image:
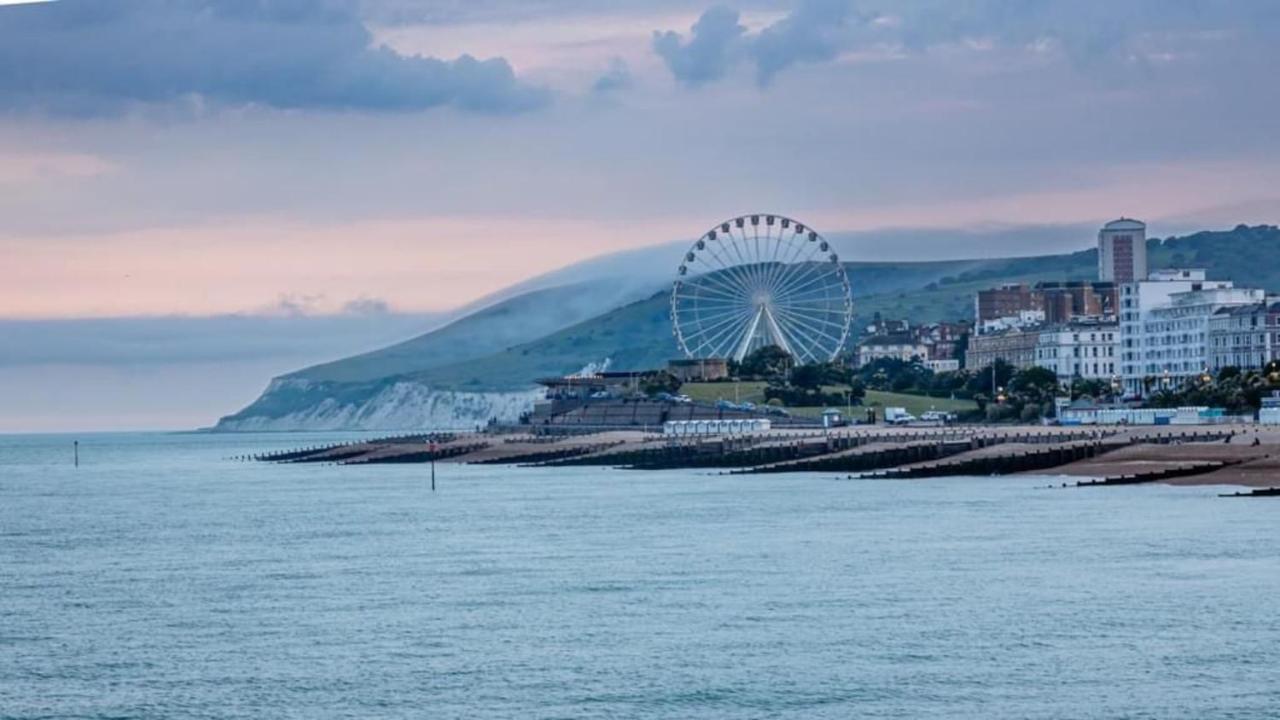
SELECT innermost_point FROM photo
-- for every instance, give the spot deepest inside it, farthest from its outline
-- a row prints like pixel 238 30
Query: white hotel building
pixel 1164 324
pixel 1085 349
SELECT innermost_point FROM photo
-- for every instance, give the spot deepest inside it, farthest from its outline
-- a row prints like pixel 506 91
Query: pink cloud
pixel 418 264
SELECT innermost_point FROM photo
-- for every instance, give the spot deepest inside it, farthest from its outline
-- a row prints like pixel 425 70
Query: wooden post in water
pixel 75 445
pixel 433 467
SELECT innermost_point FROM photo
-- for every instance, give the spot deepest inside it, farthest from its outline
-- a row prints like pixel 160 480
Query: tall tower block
pixel 1122 251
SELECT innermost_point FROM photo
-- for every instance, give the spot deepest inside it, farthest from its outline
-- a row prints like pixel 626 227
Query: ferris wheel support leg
pixel 745 345
pixel 778 338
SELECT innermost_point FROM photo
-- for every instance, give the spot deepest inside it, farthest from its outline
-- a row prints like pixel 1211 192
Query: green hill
pixel 639 335
pixel 1248 255
pixel 557 331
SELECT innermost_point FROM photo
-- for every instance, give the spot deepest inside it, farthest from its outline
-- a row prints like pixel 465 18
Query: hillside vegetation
pixel 753 391
pixel 639 335
pixel 560 330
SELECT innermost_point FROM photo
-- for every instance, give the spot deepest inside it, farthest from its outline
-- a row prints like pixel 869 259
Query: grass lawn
pixel 754 392
pixel 917 404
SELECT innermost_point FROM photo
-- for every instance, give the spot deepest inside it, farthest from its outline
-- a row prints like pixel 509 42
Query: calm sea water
pixel 161 580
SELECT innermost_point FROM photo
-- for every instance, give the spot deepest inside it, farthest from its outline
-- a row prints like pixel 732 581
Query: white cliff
pixel 402 405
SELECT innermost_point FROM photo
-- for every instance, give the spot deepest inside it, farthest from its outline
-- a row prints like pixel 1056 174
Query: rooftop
pixel 1268 307
pixel 889 340
pixel 1125 223
pixel 1085 323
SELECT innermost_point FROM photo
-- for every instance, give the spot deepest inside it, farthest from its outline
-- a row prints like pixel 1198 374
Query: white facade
pixel 688 428
pixel 1147 416
pixel 1245 337
pixel 1023 320
pixel 1168 342
pixel 878 348
pixel 1084 350
pixel 1122 251
pixel 1137 301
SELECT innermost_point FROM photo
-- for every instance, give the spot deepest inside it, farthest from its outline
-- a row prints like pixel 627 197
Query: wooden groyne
pixel 1161 475
pixel 539 457
pixel 364 450
pixel 1261 492
pixel 871 457
pixel 1103 456
pixel 419 455
pixel 1016 458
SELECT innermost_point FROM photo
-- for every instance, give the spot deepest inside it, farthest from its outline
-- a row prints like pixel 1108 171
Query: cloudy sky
pixel 379 162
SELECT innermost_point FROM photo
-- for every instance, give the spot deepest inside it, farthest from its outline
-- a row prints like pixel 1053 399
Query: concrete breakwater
pixel 1243 455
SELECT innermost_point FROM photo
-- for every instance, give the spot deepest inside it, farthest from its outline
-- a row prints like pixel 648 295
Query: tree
pixel 767 363
pixel 1237 391
pixel 1034 385
pixel 857 391
pixel 659 381
pixel 980 380
pixel 809 378
pixel 895 375
pixel 1091 388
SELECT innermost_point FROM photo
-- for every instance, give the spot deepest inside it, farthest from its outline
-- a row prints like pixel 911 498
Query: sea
pixel 166 578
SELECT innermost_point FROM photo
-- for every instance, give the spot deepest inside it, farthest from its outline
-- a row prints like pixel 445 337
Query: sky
pixel 238 167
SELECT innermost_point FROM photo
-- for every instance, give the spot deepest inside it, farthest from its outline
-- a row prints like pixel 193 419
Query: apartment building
pixel 1082 349
pixel 1246 336
pixel 1164 326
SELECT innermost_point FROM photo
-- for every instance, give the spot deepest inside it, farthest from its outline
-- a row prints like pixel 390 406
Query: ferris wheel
pixel 761 280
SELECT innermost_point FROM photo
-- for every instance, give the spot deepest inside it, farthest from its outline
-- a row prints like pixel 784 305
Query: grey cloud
pixel 145 341
pixel 366 306
pixel 712 47
pixel 86 57
pixel 616 77
pixel 167 372
pixel 813 32
pixel 295 305
pixel 1091 33
pixel 449 12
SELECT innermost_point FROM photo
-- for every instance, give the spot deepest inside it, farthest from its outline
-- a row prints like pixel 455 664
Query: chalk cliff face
pixel 446 378
pixel 298 404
